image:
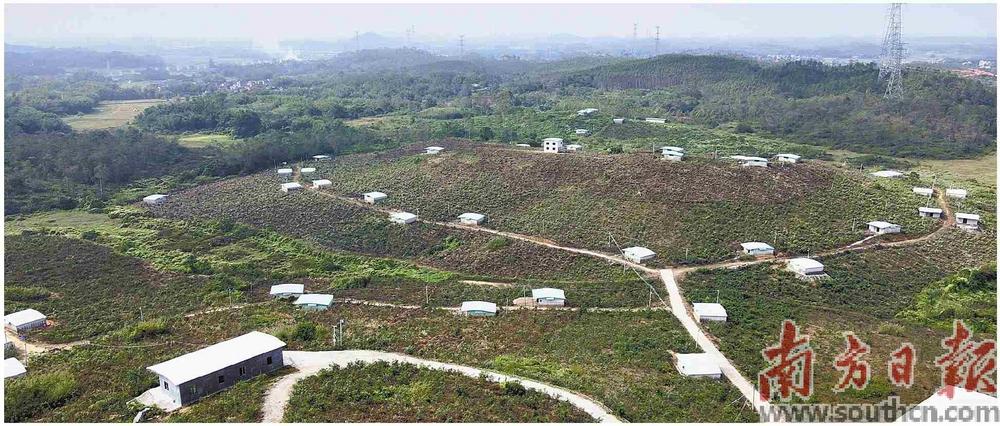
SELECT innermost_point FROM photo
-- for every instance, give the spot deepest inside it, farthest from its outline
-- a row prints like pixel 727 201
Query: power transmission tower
pixel 461 45
pixel 635 39
pixel 657 39
pixel 891 60
pixel 357 41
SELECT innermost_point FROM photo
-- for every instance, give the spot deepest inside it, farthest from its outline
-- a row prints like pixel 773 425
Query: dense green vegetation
pixel 28 395
pixel 970 294
pixel 384 392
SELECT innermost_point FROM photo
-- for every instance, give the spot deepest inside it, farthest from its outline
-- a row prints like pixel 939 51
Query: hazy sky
pixel 268 23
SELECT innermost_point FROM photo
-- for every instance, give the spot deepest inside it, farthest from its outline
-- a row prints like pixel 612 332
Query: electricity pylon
pixel 891 60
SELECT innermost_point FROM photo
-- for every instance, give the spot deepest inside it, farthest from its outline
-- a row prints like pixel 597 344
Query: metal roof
pixel 288 288
pixel 477 305
pixel 755 245
pixel 13 368
pixel 802 263
pixel 291 185
pixel 154 197
pixel 308 169
pixel 929 210
pixel 375 194
pixel 709 310
pixel 314 299
pixel 322 182
pixel 472 216
pixel 557 140
pixel 284 171
pixel 698 364
pixel 792 156
pixel 672 148
pixel 435 148
pixel 956 191
pixel 548 293
pixel 882 224
pixel 640 252
pixel 404 216
pixel 967 216
pixel 887 173
pixel 20 318
pixel 320 157
pixel 208 360
pixel 922 190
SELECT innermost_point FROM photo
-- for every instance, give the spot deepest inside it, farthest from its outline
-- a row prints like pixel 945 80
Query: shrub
pixel 497 243
pixel 32 394
pixel 513 388
pixel 89 235
pixel 149 328
pixel 25 294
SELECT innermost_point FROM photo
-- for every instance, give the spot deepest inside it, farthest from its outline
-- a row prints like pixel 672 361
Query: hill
pixel 939 115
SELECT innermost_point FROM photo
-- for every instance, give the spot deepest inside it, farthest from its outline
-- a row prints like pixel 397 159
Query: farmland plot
pixel 256 201
pixel 694 211
pixel 865 293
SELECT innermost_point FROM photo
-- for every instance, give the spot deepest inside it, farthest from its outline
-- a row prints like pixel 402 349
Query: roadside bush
pixel 28 395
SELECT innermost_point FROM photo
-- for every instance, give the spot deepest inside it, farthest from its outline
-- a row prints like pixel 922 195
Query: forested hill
pixel 940 114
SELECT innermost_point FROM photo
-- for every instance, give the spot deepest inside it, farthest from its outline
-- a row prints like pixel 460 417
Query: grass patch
pixel 110 114
pixel 202 140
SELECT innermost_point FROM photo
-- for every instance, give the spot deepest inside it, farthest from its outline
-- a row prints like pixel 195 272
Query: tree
pixel 244 122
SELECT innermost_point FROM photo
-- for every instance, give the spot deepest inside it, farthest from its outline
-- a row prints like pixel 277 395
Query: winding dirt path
pixel 39 347
pixel 310 363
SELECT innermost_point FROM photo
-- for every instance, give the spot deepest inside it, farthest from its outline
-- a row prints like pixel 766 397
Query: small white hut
pixel 308 170
pixel 698 365
pixel 891 174
pixel 933 212
pixel 957 193
pixel 618 120
pixel 756 248
pixel 374 197
pixel 664 149
pixel 638 254
pixel 314 301
pixel 321 157
pixel 672 155
pixel 285 172
pixel 433 150
pixel 317 184
pixel 479 308
pixel 927 192
pixel 154 199
pixel 581 132
pixel 548 296
pixel 554 145
pixel 402 218
pixel 656 120
pixel 13 368
pixel 805 267
pixel 574 147
pixel 586 111
pixel 967 220
pixel 21 321
pixel 471 218
pixel 879 227
pixel 709 312
pixel 290 186
pixel 284 291
pixel 788 158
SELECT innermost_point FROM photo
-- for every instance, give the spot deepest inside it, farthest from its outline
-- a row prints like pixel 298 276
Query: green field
pixel 200 140
pixel 110 114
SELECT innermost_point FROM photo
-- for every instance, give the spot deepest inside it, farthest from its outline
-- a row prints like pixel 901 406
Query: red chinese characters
pixel 901 365
pixel 968 364
pixel 791 365
pixel 854 370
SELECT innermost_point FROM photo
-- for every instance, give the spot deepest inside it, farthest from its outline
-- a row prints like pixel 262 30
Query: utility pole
pixel 891 59
pixel 657 40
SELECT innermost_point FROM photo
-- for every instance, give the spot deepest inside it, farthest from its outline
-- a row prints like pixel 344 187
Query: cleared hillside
pixel 696 210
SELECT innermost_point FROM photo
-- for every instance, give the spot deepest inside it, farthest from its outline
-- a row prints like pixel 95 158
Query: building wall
pixel 201 387
pixel 29 326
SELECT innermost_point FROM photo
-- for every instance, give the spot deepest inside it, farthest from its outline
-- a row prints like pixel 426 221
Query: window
pixel 222 379
pixel 268 360
pixel 243 371
pixel 166 386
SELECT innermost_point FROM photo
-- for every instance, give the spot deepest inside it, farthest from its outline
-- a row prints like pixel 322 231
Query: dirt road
pixel 310 363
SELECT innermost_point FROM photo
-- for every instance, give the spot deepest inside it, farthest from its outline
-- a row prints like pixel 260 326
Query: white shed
pixel 523 145
pixel 618 120
pixel 586 111
pixel 284 291
pixel 308 170
pixel 321 157
pixel 755 248
pixel 656 120
pixel 290 186
pixel 471 218
pixel 314 301
pixel 20 321
pixel 574 147
pixel 709 312
pixel 317 184
pixel 891 174
pixel 956 193
pixel 805 267
pixel 664 149
pixel 581 132
pixel 930 212
pixel 374 197
pixel 883 227
pixel 673 155
pixel 13 368
pixel 478 308
pixel 698 365
pixel 154 199
pixel 788 158
pixel 923 191
pixel 753 162
pixel 638 254
pixel 402 218
pixel 284 172
pixel 967 220
pixel 548 296
pixel 554 145
pixel 433 150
